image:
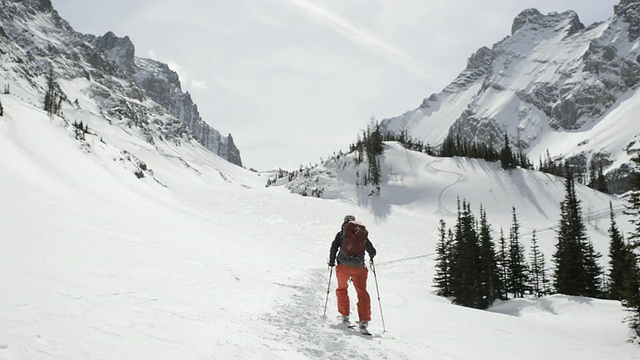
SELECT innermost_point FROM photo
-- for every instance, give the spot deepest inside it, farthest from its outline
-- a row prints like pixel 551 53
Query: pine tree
pixel 631 294
pixel 1 109
pixel 593 273
pixel 634 203
pixel 518 274
pixel 443 261
pixel 491 288
pixel 601 182
pixel 567 255
pixel 465 268
pixel 370 145
pixel 539 279
pixel 52 100
pixel 506 155
pixel 618 255
pixel 503 266
pixel 577 271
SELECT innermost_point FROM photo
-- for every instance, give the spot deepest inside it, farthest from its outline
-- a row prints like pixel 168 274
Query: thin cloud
pixel 346 28
pixel 197 84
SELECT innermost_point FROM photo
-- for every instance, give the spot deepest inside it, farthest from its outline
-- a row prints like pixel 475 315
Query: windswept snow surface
pixel 198 260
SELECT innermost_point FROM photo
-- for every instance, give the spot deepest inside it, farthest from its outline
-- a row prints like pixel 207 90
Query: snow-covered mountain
pixel 553 86
pixel 198 260
pixel 135 242
pixel 132 93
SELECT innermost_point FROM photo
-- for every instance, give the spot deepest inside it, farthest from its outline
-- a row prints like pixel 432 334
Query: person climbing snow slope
pixel 347 255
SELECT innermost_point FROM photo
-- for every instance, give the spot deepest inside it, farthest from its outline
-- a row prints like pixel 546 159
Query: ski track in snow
pixel 461 177
pixel 300 324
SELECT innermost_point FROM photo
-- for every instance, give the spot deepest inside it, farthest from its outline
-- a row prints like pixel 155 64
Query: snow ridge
pixel 127 91
pixel 552 85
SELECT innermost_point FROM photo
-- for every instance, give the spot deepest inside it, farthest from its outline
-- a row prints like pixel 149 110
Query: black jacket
pixel 337 242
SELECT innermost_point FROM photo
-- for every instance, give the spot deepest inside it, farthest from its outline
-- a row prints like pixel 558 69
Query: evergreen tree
pixel 631 295
pixel 503 266
pixel 601 182
pixel 370 145
pixel 518 274
pixel 491 288
pixel 466 264
pixel 597 180
pixel 443 261
pixel 618 255
pixel 539 279
pixel 1 109
pixel 465 284
pixel 448 148
pixel 506 155
pixel 634 203
pixel 567 256
pixel 577 271
pixel 593 273
pixel 52 98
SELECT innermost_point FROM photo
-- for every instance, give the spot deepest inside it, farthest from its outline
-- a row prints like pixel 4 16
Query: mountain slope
pixel 207 263
pixel 124 238
pixel 552 85
pixel 125 90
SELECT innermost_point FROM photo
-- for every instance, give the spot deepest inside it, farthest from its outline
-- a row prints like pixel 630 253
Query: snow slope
pixel 199 260
pixel 553 86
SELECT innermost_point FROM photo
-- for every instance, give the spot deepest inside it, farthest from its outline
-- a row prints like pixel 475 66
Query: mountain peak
pixel 624 6
pixel 41 5
pixel 118 50
pixel 629 11
pixel 549 77
pixel 568 19
pixel 523 18
pixel 115 81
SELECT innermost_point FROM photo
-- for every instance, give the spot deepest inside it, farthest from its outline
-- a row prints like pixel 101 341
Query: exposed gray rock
pixel 39 5
pixel 567 21
pixel 574 25
pixel 524 17
pixel 119 51
pixel 162 85
pixel 629 10
pixel 471 129
pixel 121 82
pixel 479 65
pixel 427 102
pixel 551 75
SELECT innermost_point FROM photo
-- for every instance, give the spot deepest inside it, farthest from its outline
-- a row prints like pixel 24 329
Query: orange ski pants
pixel 358 276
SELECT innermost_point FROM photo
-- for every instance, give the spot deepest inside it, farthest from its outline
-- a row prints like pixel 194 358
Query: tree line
pixel 455 145
pixel 474 270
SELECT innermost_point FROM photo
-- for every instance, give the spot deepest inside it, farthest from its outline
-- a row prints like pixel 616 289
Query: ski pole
pixel 328 289
pixel 373 268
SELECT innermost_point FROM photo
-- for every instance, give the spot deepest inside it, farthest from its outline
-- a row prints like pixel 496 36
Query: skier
pixel 352 240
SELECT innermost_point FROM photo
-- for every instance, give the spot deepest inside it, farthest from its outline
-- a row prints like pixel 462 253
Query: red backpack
pixel 354 239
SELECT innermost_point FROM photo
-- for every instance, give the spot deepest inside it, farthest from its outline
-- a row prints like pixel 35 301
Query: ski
pixel 355 327
pixel 352 326
pixel 348 325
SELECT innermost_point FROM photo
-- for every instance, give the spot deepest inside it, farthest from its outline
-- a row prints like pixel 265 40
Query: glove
pixel 332 264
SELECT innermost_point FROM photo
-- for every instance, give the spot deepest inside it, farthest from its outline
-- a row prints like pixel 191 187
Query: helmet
pixel 349 218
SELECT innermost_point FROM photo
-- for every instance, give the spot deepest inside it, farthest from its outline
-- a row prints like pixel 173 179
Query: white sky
pixel 294 80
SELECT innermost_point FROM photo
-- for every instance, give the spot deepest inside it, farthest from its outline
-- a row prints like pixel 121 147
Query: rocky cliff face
pixel 552 86
pixel 129 91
